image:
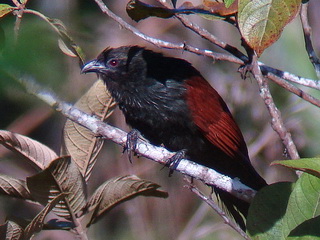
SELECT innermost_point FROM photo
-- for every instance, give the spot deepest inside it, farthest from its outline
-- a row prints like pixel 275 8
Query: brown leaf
pixel 138 10
pixel 11 231
pixel 220 8
pixel 80 143
pixel 14 187
pixel 37 223
pixel 261 22
pixel 118 190
pixel 62 176
pixel 37 154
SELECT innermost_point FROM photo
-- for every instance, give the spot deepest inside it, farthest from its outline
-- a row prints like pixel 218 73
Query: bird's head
pixel 116 64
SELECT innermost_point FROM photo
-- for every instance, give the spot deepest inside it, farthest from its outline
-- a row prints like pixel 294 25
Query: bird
pixel 171 104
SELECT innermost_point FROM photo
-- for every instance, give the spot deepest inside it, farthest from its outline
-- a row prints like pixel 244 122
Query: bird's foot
pixel 173 162
pixel 131 143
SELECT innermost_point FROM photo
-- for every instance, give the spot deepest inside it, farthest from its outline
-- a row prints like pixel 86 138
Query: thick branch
pixel 158 154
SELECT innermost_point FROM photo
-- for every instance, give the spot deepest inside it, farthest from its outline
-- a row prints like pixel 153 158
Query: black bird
pixel 169 102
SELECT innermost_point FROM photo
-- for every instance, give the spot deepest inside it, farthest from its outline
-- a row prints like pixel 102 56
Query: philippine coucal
pixel 169 102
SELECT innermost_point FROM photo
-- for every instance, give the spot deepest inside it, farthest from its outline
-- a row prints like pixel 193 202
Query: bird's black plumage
pixel 170 103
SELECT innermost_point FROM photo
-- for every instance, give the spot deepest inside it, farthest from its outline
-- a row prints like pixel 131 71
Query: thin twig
pixel 17 24
pixel 164 44
pixel 297 91
pixel 210 37
pixel 311 83
pixel 277 122
pixel 307 38
pixel 217 209
pixel 215 56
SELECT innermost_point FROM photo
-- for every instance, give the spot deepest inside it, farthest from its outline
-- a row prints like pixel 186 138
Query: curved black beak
pixel 92 66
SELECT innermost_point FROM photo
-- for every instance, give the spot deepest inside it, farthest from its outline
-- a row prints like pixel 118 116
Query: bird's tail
pixel 237 208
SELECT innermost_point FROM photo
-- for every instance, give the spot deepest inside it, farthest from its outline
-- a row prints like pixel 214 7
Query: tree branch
pixel 307 38
pixel 276 121
pixel 218 210
pixel 157 154
pixel 297 91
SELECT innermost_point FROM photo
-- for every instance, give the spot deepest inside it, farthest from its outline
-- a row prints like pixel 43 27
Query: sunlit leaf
pixel 118 190
pixel 37 223
pixel 280 208
pixel 62 176
pixel 5 9
pixel 81 143
pixel 309 165
pixel 64 48
pixel 228 3
pixel 37 154
pixel 14 187
pixel 261 22
pixel 24 1
pixel 11 231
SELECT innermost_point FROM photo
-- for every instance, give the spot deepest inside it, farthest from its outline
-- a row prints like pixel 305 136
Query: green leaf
pixel 228 2
pixel 261 22
pixel 5 9
pixel 309 165
pixel 267 209
pixel 276 210
pixel 24 1
pixel 308 230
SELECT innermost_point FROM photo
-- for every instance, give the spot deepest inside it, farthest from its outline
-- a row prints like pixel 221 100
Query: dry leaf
pixel 37 154
pixel 37 223
pixel 11 231
pixel 118 190
pixel 62 176
pixel 80 143
pixel 14 187
pixel 220 8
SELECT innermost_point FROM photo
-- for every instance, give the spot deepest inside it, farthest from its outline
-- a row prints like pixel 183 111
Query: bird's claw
pixel 131 143
pixel 173 162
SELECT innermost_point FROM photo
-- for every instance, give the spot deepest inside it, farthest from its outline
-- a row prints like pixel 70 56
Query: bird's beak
pixel 92 66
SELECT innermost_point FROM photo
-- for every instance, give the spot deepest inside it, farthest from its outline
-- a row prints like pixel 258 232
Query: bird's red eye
pixel 113 62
